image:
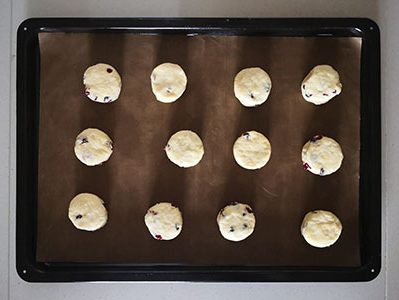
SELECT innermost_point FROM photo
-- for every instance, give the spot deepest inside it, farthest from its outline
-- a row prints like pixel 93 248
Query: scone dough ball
pixel 236 222
pixel 322 155
pixel 252 86
pixel 321 85
pixel 102 83
pixel 87 212
pixel 252 150
pixel 185 149
pixel 164 221
pixel 93 147
pixel 168 82
pixel 321 228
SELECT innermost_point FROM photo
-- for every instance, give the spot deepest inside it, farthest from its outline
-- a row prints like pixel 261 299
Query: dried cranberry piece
pixel 246 135
pixel 109 70
pixel 306 166
pixel 158 237
pixel 316 137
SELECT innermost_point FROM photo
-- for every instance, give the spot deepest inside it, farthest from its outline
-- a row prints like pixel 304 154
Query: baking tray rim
pixel 27 149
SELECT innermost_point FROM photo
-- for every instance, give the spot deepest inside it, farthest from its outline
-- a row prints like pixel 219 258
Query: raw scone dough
pixel 321 228
pixel 321 85
pixel 87 212
pixel 102 83
pixel 236 222
pixel 185 149
pixel 164 221
pixel 93 147
pixel 168 82
pixel 252 86
pixel 322 155
pixel 252 150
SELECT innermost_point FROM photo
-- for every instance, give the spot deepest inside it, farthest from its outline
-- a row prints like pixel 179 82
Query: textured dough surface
pixel 321 228
pixel 252 150
pixel 168 82
pixel 87 212
pixel 164 221
pixel 321 85
pixel 185 149
pixel 252 86
pixel 93 147
pixel 236 222
pixel 102 83
pixel 322 155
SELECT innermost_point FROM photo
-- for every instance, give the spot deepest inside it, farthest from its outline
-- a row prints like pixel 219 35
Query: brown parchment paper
pixel 139 174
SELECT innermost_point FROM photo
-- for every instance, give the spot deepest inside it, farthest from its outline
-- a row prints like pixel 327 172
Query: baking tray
pixel 28 108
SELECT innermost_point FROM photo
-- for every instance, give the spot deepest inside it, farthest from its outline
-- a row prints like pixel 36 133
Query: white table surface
pixel 385 12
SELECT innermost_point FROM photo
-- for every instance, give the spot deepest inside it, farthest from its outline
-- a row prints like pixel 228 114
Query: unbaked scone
pixel 236 222
pixel 185 148
pixel 252 86
pixel 87 212
pixel 322 155
pixel 168 82
pixel 321 85
pixel 321 228
pixel 164 221
pixel 252 150
pixel 93 147
pixel 102 83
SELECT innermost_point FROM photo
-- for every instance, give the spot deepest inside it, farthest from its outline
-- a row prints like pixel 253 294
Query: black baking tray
pixel 28 101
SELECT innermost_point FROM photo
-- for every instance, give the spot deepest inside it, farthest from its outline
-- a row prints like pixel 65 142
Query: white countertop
pixel 384 12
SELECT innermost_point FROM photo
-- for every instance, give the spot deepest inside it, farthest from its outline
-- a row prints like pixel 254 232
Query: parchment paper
pixel 139 174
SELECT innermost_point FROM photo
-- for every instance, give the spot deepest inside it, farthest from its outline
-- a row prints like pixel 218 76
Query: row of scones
pixel 236 221
pixel 252 85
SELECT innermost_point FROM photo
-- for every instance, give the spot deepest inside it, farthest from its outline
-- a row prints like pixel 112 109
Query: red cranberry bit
pixel 109 70
pixel 87 92
pixel 324 94
pixel 158 237
pixel 249 210
pixel 316 137
pixel 334 91
pixel 306 166
pixel 166 148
